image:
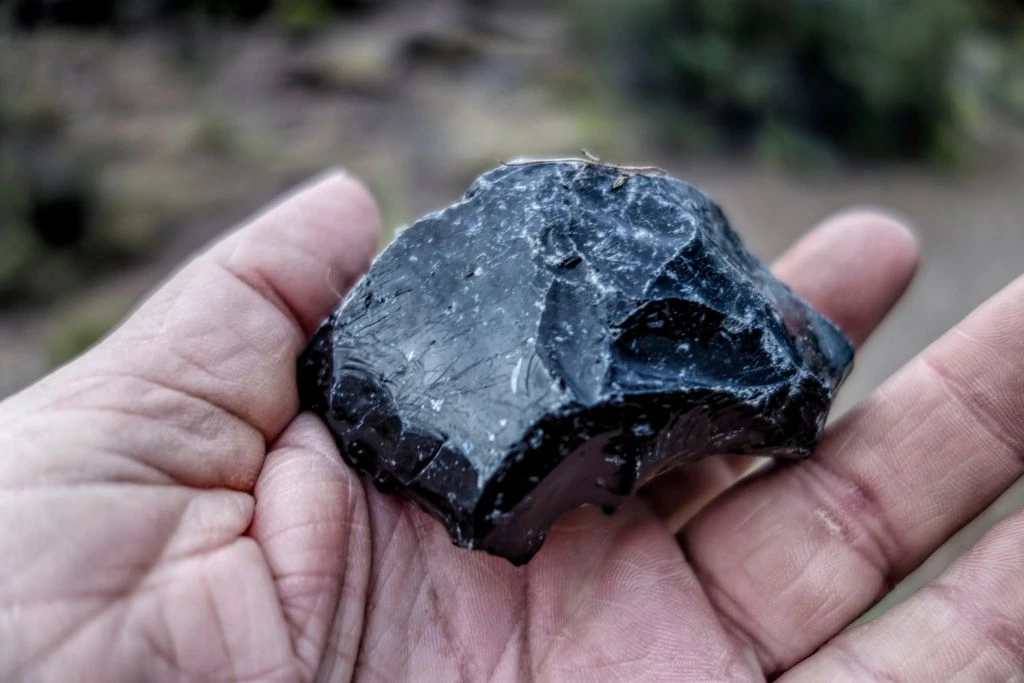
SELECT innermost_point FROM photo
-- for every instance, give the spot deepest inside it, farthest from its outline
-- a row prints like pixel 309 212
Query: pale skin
pixel 168 515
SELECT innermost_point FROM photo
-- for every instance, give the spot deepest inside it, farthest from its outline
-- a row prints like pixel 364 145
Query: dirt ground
pixel 419 131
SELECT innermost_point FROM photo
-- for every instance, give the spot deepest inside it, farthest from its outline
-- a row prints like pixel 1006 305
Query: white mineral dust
pixel 514 380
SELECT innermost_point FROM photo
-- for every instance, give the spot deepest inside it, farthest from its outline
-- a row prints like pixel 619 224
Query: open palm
pixel 166 514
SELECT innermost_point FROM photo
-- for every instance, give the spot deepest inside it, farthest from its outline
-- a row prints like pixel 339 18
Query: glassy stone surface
pixel 558 337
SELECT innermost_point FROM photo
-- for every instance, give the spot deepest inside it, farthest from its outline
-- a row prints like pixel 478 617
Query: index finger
pixel 854 267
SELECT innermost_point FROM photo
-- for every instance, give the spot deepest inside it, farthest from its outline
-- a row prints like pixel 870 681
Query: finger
pixel 854 268
pixel 967 625
pixel 795 556
pixel 311 522
pixel 203 375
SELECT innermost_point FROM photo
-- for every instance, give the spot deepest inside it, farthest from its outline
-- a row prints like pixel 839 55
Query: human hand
pixel 167 514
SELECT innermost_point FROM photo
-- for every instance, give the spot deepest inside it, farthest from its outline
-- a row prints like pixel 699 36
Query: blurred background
pixel 134 131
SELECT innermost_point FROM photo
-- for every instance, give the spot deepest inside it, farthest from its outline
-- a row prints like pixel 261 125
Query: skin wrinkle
pixel 147 421
pixel 568 617
pixel 187 318
pixel 247 480
pixel 378 584
pixel 857 666
pixel 362 581
pixel 125 467
pixel 194 413
pixel 1006 636
pixel 380 579
pixel 121 595
pixel 524 639
pixel 53 648
pixel 57 476
pixel 306 253
pixel 448 631
pixel 730 617
pixel 336 634
pixel 217 385
pixel 241 544
pixel 302 642
pixel 173 530
pixel 246 508
pixel 1007 431
pixel 854 508
pixel 168 531
pixel 165 651
pixel 417 630
pixel 978 594
pixel 301 627
pixel 211 604
pixel 36 399
pixel 513 643
pixel 266 290
pixel 86 628
pixel 297 632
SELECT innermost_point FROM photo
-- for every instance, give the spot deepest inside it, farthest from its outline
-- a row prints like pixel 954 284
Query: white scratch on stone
pixel 515 374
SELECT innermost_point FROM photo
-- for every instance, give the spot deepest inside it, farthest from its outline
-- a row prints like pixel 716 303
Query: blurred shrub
pixel 299 14
pixel 57 229
pixel 1002 15
pixel 859 78
pixel 87 13
pixel 1008 88
pixel 75 330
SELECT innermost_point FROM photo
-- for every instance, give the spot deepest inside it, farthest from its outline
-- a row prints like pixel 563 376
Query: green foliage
pixel 302 15
pixel 1006 16
pixel 217 134
pixel 78 329
pixel 229 9
pixel 1008 89
pixel 858 78
pixel 293 14
pixel 57 227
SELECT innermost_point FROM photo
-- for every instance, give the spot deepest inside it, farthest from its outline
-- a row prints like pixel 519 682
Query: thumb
pixel 202 376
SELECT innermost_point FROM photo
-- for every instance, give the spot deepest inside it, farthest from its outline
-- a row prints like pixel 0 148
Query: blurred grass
pixel 75 330
pixel 1008 90
pixel 801 81
pixel 293 14
pixel 57 227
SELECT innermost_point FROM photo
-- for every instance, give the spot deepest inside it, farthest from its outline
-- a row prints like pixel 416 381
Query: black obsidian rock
pixel 558 337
